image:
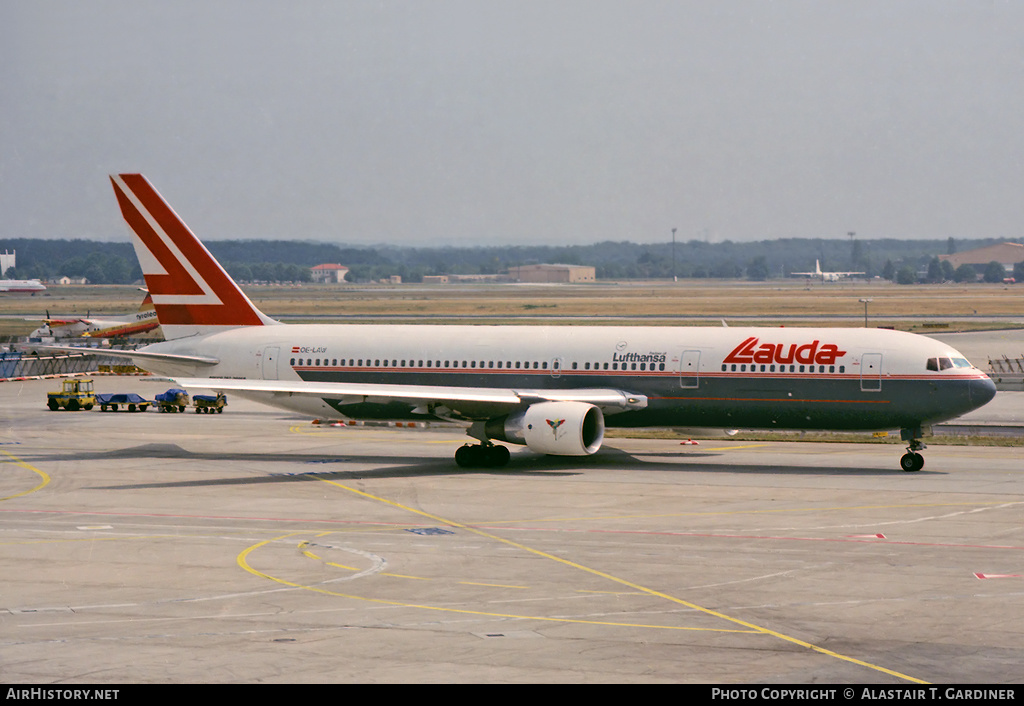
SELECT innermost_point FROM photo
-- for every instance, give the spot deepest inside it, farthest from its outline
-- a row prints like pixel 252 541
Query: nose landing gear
pixel 912 461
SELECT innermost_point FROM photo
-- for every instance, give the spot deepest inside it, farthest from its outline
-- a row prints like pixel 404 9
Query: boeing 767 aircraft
pixel 550 388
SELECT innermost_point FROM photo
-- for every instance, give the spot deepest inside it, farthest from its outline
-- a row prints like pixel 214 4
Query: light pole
pixel 865 303
pixel 674 278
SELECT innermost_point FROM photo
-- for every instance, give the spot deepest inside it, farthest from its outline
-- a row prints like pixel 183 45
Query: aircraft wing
pixel 488 400
pixel 59 322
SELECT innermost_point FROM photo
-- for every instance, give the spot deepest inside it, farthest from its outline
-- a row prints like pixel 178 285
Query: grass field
pixel 789 302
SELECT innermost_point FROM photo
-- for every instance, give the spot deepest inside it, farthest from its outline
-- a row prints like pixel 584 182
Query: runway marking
pixel 721 513
pixel 718 448
pixel 242 561
pixel 747 626
pixel 18 462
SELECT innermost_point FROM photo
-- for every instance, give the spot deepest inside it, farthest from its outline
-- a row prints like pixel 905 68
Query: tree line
pixel 903 261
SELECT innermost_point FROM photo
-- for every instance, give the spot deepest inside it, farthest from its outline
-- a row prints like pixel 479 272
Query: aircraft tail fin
pixel 191 292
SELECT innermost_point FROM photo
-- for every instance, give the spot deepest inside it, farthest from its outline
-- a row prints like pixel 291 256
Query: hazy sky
pixel 423 122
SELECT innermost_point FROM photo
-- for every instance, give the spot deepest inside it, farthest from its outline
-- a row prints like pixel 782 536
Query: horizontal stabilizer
pixel 135 355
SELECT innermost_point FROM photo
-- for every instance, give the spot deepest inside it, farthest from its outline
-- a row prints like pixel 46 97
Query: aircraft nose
pixel 982 391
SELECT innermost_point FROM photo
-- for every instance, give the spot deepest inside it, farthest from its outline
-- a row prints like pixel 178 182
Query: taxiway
pixel 253 546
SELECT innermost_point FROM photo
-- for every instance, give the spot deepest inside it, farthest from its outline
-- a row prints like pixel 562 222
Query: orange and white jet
pixel 141 321
pixel 551 388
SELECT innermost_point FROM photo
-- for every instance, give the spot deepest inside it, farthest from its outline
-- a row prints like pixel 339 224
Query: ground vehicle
pixel 76 394
pixel 174 400
pixel 122 400
pixel 210 404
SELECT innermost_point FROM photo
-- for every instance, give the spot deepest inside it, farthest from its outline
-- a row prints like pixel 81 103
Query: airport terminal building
pixel 553 273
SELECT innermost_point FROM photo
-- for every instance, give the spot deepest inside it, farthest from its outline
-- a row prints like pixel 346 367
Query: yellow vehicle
pixel 76 394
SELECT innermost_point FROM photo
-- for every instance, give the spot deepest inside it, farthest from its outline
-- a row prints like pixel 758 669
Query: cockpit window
pixel 947 363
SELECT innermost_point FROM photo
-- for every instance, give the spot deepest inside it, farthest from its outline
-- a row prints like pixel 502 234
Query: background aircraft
pixel 20 285
pixel 101 327
pixel 825 276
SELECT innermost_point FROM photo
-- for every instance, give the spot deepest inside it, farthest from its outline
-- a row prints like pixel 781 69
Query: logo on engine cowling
pixel 555 425
pixel 814 352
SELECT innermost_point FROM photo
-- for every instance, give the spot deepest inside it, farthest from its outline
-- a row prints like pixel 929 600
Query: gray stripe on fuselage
pixel 727 401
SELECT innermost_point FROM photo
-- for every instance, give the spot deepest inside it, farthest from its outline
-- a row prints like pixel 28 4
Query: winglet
pixel 191 292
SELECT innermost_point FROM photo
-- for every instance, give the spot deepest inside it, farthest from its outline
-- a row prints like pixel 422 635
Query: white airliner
pixel 141 321
pixel 20 286
pixel 550 388
pixel 825 276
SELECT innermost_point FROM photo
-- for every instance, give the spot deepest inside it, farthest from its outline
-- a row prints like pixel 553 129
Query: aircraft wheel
pixel 912 462
pixel 466 456
pixel 498 456
pixel 480 456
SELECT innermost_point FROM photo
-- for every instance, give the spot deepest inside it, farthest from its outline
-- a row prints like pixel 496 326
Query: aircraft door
pixel 269 362
pixel 689 370
pixel 871 372
pixel 555 367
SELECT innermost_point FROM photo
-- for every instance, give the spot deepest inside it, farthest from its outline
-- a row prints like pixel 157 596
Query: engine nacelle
pixel 557 428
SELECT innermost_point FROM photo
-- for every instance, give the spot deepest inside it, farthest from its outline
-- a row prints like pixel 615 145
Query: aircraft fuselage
pixel 774 378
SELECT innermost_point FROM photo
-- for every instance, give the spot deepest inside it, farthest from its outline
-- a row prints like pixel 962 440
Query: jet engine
pixel 557 428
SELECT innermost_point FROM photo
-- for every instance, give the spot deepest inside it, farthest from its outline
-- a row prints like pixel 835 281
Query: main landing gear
pixel 912 461
pixel 485 455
